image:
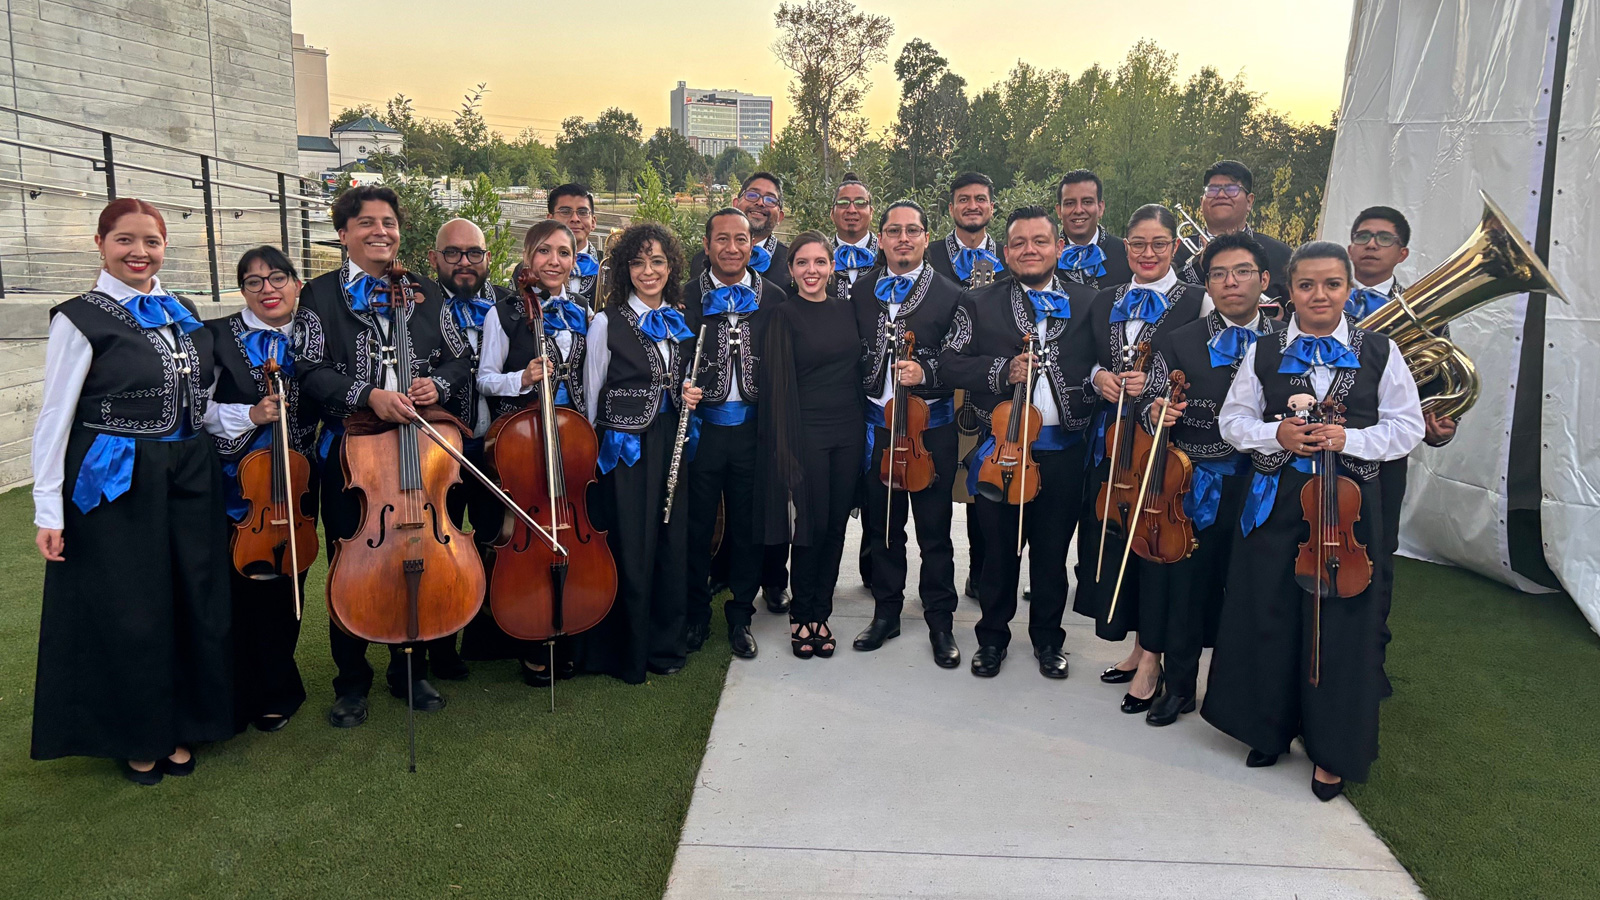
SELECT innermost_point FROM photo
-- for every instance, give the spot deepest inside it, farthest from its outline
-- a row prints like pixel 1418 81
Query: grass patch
pixel 508 799
pixel 1489 780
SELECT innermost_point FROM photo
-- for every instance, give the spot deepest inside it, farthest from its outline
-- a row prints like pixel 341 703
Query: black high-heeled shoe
pixel 823 642
pixel 1115 675
pixel 1132 704
pixel 804 646
pixel 177 769
pixel 1325 791
pixel 146 778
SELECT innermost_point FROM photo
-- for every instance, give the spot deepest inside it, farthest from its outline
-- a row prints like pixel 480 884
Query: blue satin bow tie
pixel 262 344
pixel 967 259
pixel 1363 301
pixel 1050 305
pixel 1088 256
pixel 469 311
pixel 893 288
pixel 562 314
pixel 361 291
pixel 849 256
pixel 760 258
pixel 586 266
pixel 729 298
pixel 1229 345
pixel 1306 351
pixel 665 324
pixel 1143 304
pixel 159 311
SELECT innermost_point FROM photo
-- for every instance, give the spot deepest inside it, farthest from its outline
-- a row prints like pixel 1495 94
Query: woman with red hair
pixel 134 658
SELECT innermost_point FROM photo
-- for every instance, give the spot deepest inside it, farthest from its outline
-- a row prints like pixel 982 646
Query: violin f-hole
pixel 383 527
pixel 439 534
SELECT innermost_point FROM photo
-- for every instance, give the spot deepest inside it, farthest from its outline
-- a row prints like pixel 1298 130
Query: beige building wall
pixel 310 88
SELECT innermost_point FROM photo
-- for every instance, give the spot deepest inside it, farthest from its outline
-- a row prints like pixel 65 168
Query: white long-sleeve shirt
pixel 597 355
pixel 493 379
pixel 230 421
pixel 890 379
pixel 1398 431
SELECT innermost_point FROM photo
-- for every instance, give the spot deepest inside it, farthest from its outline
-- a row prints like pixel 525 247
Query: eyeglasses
pixel 910 231
pixel 568 212
pixel 1160 245
pixel 1384 238
pixel 846 203
pixel 1224 190
pixel 253 283
pixel 758 197
pixel 1240 274
pixel 474 255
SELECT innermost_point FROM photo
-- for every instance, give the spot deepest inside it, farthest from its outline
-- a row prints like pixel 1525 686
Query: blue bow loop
pixel 1050 305
pixel 1088 256
pixel 159 311
pixel 262 344
pixel 1229 345
pixel 1363 302
pixel 586 266
pixel 729 298
pixel 849 256
pixel 562 314
pixel 760 258
pixel 106 471
pixel 967 259
pixel 1142 304
pixel 893 288
pixel 469 311
pixel 1306 351
pixel 361 291
pixel 665 324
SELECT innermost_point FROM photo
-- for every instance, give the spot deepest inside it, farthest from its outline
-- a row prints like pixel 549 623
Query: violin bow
pixel 282 427
pixel 519 512
pixel 1138 506
pixel 1111 477
pixel 1027 407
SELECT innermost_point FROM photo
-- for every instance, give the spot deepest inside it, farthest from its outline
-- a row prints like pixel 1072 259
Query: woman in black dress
pixel 811 436
pixel 134 659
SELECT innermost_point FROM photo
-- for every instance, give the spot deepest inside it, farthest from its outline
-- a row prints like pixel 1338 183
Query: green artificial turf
pixel 508 798
pixel 1488 783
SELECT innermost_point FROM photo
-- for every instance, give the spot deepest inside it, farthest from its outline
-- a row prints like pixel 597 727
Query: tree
pixel 609 144
pixel 733 166
pixel 674 158
pixel 933 110
pixel 829 46
pixel 472 132
pixel 481 205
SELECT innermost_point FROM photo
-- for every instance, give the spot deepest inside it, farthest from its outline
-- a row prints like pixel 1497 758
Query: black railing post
pixel 2 283
pixel 283 213
pixel 305 239
pixel 111 167
pixel 211 228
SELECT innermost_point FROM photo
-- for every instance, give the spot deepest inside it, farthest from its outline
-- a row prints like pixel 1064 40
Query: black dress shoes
pixel 447 666
pixel 424 697
pixel 1325 791
pixel 696 635
pixel 146 778
pixel 742 642
pixel 1255 759
pixel 348 711
pixel 1052 662
pixel 269 724
pixel 538 678
pixel 1115 675
pixel 663 670
pixel 945 652
pixel 1167 708
pixel 777 602
pixel 878 631
pixel 986 662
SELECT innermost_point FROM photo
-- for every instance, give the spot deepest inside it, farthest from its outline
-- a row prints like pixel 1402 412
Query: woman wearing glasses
pixel 1128 321
pixel 267 685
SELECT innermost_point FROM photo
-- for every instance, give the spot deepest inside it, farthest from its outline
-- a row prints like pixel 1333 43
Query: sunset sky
pixel 546 61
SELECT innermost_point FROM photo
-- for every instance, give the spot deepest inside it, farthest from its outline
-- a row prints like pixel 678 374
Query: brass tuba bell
pixel 602 290
pixel 1494 262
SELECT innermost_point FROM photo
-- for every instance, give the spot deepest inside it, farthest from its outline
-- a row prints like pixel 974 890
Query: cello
pixel 906 464
pixel 1331 562
pixel 1010 474
pixel 1119 491
pixel 276 538
pixel 539 591
pixel 1160 530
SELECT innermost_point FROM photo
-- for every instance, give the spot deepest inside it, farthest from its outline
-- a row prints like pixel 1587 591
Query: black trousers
pixel 932 511
pixel 975 545
pixel 265 633
pixel 723 470
pixel 1048 534
pixel 832 469
pixel 775 565
pixel 341 517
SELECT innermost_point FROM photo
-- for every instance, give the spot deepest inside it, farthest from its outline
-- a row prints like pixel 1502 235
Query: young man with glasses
pixel 1179 603
pixel 461 264
pixel 1089 254
pixel 572 205
pixel 855 247
pixel 1225 205
pixel 905 294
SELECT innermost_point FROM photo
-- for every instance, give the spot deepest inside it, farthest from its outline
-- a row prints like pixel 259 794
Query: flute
pixel 683 429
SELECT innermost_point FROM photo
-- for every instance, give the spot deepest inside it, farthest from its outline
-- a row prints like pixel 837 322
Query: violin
pixel 539 591
pixel 1119 492
pixel 1161 531
pixel 1331 562
pixel 276 538
pixel 1010 474
pixel 906 465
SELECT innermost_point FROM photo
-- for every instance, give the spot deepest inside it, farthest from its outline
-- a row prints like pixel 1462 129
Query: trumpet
pixel 1190 233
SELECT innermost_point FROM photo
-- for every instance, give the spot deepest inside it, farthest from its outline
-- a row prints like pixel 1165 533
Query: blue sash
pixel 107 469
pixel 727 413
pixel 1205 494
pixel 1264 492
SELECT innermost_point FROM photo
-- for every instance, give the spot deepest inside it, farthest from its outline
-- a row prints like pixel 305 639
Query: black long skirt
pixel 645 628
pixel 1093 595
pixel 135 654
pixel 1180 603
pixel 1260 690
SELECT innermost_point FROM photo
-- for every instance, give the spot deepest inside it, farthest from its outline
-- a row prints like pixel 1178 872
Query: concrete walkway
pixel 882 775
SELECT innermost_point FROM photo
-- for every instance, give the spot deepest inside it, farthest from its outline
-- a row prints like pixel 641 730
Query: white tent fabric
pixel 1441 100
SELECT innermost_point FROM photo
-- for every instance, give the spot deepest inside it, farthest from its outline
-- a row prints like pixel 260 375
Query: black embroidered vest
pixel 1197 432
pixel 1356 388
pixel 137 385
pixel 523 348
pixel 637 376
pixel 239 382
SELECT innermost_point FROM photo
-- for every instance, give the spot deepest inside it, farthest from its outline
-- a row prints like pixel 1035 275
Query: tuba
pixel 1496 261
pixel 602 288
